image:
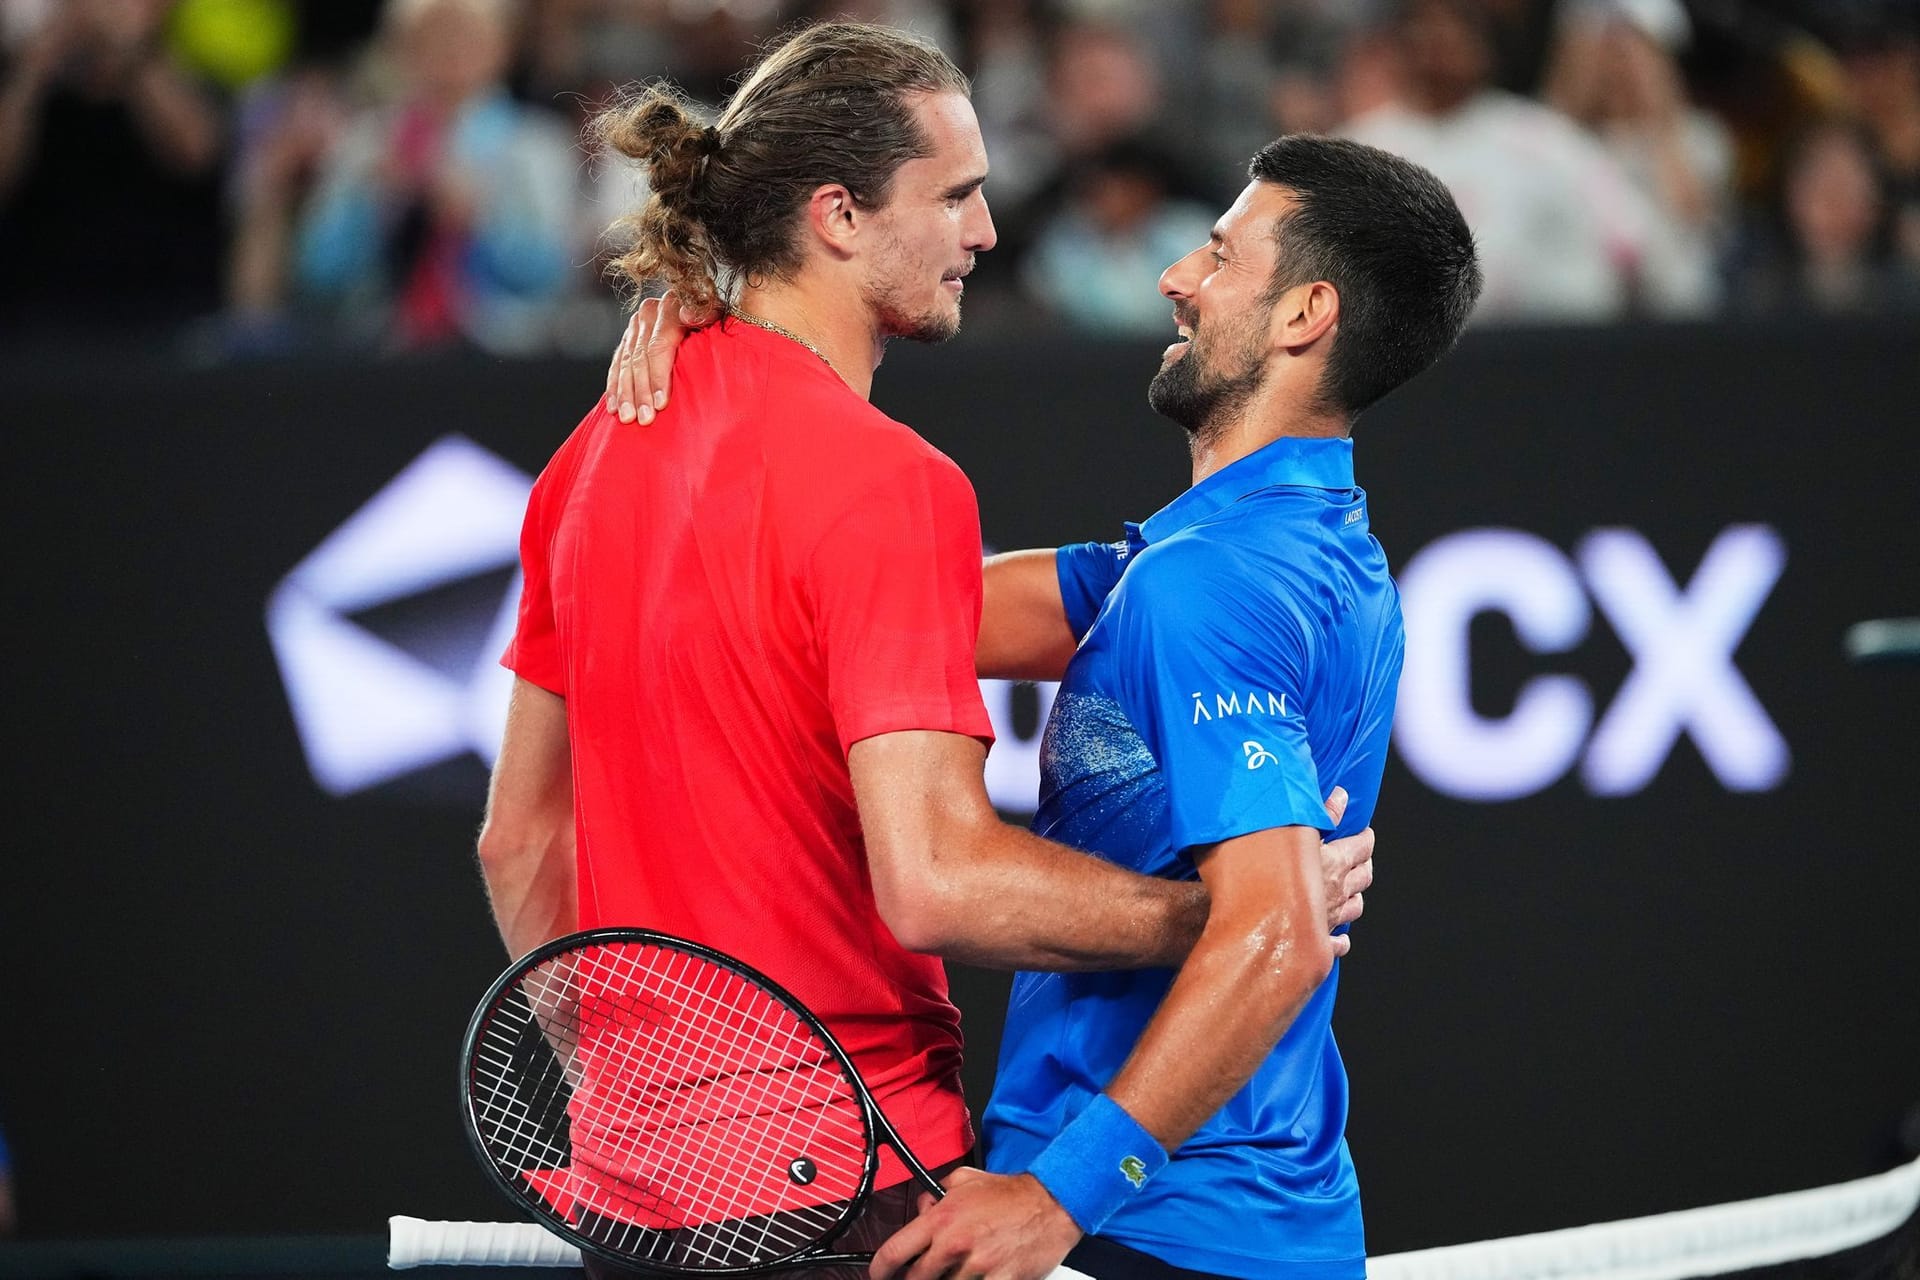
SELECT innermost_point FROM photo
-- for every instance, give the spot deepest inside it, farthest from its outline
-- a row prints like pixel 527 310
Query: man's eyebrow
pixel 965 189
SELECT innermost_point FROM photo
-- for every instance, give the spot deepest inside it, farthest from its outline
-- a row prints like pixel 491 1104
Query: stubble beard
pixel 896 321
pixel 1205 405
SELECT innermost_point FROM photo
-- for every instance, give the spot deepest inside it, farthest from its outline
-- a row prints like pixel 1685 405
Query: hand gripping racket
pixel 664 1106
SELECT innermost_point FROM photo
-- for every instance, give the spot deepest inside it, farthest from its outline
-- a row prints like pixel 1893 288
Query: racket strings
pixel 605 1216
pixel 744 1011
pixel 665 1057
pixel 668 1108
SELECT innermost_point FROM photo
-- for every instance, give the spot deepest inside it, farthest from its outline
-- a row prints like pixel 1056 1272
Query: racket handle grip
pixel 413 1242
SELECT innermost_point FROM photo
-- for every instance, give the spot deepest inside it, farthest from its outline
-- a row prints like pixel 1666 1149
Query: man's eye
pixel 1219 259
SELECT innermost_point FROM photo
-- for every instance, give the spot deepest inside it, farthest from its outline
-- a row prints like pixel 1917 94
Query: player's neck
pixel 1267 417
pixel 838 329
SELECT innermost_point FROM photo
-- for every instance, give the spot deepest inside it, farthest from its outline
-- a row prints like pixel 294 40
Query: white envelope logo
pixel 367 710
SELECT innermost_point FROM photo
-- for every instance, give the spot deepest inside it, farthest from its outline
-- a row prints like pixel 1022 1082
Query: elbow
pixel 1283 966
pixel 1305 956
pixel 918 915
pixel 504 845
pixel 1316 959
pixel 496 847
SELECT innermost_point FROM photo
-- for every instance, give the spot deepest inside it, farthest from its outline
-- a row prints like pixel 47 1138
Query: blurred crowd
pixel 260 176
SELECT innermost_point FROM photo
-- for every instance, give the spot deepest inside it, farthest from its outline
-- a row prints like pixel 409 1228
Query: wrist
pixel 1098 1163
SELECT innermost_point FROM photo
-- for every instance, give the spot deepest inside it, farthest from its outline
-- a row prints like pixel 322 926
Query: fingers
pixel 1359 878
pixel 1337 805
pixel 1348 863
pixel 1349 910
pixel 906 1244
pixel 613 366
pixel 669 330
pixel 622 397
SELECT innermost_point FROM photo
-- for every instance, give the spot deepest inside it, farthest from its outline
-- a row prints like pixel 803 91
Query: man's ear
pixel 835 219
pixel 1305 314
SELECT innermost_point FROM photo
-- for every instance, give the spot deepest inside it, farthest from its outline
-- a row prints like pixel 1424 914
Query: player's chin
pixel 936 325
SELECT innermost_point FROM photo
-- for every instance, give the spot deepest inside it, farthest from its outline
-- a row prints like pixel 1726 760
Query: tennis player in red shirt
pixel 746 710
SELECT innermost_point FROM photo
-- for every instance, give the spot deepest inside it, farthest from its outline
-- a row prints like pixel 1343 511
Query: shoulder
pixel 851 447
pixel 564 466
pixel 1199 579
pixel 1263 566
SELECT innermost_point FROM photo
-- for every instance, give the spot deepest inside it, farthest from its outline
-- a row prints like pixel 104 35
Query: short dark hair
pixel 1387 235
pixel 832 102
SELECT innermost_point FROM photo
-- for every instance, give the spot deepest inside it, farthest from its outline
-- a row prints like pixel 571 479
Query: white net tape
pixel 413 1242
pixel 1668 1246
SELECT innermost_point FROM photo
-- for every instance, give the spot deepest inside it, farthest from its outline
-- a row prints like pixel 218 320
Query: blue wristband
pixel 1098 1163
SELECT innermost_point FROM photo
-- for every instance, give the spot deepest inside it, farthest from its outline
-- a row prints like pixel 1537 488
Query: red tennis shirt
pixel 728 600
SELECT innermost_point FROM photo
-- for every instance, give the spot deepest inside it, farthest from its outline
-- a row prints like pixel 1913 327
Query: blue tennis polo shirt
pixel 1239 656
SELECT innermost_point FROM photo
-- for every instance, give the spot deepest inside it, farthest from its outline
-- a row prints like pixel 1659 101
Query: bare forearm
pixel 531 889
pixel 1002 897
pixel 1024 634
pixel 1232 1002
pixel 527 843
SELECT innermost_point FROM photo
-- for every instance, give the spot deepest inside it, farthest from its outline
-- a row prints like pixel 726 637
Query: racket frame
pixel 873 1121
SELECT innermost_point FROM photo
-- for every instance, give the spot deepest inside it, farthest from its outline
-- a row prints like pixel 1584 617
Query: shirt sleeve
pixel 1088 573
pixel 896 593
pixel 534 652
pixel 1215 677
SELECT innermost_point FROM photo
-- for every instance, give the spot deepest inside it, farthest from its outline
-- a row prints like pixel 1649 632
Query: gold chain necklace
pixel 771 327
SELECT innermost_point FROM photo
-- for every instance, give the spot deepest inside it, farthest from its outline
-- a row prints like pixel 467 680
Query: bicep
pixel 1266 880
pixel 533 775
pixel 918 792
pixel 912 786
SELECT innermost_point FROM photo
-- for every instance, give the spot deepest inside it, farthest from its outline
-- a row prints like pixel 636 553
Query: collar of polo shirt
pixel 1313 463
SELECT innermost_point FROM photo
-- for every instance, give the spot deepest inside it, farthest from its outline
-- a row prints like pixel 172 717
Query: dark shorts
pixel 1105 1260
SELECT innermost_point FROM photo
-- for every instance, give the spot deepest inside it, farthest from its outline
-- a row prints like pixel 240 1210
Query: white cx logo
pixel 1257 755
pixel 1681 641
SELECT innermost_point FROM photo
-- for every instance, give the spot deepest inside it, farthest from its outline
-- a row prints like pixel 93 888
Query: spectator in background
pixel 447 214
pixel 1767 81
pixel 1835 253
pixel 1563 235
pixel 1009 74
pixel 1103 87
pixel 1049 101
pixel 1098 261
pixel 109 182
pixel 1613 70
pixel 1882 62
pixel 285 130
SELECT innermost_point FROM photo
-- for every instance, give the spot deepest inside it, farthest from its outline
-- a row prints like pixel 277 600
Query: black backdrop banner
pixel 1644 930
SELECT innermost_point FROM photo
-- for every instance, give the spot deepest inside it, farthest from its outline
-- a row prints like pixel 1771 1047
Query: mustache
pixel 1186 319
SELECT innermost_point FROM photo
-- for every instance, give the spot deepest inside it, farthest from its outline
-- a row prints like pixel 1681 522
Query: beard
pixel 926 326
pixel 898 317
pixel 1200 401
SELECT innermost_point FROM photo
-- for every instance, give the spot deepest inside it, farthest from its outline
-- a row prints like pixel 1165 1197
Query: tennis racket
pixel 661 1105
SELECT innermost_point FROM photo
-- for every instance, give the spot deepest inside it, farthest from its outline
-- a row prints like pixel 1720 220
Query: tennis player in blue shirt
pixel 1224 666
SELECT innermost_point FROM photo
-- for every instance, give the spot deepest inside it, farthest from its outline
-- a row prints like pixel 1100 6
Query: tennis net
pixel 1866 1229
